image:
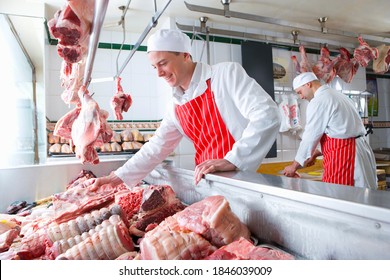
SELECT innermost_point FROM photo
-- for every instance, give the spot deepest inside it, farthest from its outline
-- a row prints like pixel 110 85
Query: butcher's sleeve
pixel 317 117
pixel 164 141
pixel 257 106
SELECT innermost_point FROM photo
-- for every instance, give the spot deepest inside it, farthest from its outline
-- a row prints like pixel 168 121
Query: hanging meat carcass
pixel 346 67
pixel 324 68
pixel 380 65
pixel 364 53
pixel 304 65
pixel 71 26
pixel 90 129
pixel 121 101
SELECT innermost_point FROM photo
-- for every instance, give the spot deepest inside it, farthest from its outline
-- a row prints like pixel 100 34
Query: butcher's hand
pixel 94 183
pixel 211 166
pixel 291 170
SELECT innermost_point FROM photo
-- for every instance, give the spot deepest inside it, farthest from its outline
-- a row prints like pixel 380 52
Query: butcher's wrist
pixel 113 179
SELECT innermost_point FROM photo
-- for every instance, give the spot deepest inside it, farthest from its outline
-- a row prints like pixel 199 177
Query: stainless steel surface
pixel 313 220
pixel 97 23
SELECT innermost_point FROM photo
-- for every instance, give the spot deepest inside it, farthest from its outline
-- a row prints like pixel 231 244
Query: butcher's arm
pixel 157 149
pixel 255 104
pixel 291 170
pixel 211 166
pixel 95 183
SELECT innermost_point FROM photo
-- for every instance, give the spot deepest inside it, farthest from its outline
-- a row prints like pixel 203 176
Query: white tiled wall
pixel 151 95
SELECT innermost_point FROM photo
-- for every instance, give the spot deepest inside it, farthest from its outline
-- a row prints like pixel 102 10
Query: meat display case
pixel 309 219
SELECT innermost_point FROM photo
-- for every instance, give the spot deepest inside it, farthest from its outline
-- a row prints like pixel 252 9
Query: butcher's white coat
pixel 249 113
pixel 334 114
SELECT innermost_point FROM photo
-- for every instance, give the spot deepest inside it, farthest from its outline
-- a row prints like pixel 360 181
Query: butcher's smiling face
pixel 173 67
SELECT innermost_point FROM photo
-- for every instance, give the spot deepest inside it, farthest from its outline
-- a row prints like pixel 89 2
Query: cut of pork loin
pixel 121 101
pixel 36 243
pixel 214 220
pixel 243 249
pixel 195 232
pixel 61 246
pixel 169 242
pixel 106 244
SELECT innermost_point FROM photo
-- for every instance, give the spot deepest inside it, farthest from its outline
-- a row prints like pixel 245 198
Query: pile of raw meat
pixel 86 125
pixel 146 223
pixel 343 65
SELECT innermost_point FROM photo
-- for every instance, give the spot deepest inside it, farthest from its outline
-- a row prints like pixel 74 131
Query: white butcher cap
pixel 171 40
pixel 303 78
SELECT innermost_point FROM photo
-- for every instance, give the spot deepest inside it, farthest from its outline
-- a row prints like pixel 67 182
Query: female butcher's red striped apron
pixel 203 124
pixel 339 160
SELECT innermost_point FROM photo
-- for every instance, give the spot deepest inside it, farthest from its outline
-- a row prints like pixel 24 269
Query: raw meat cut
pixel 81 178
pixel 61 246
pixel 78 200
pixel 169 242
pixel 36 243
pixel 90 129
pixel 346 68
pixel 195 232
pixel 243 249
pixel 121 101
pixel 380 65
pixel 364 53
pixel 7 238
pixel 63 127
pixel 71 81
pixel 158 202
pixel 214 220
pixel 106 244
pixel 324 68
pixel 71 27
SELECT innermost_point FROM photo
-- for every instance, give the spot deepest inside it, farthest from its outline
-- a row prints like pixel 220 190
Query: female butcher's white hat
pixel 171 40
pixel 303 78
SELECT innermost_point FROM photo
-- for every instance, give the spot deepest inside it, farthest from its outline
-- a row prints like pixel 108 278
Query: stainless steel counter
pixel 313 220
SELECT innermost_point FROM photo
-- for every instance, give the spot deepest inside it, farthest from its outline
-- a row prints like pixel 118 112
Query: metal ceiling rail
pixel 313 43
pixel 226 12
pixel 152 24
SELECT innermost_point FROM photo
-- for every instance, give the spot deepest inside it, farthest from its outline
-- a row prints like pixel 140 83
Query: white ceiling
pixel 353 16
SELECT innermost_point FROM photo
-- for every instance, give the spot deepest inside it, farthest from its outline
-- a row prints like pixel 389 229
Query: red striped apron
pixel 339 160
pixel 203 124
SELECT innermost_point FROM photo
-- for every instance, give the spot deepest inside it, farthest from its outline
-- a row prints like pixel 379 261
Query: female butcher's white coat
pixel 334 114
pixel 249 113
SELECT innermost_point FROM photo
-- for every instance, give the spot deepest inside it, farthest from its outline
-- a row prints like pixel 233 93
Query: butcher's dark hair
pixel 177 53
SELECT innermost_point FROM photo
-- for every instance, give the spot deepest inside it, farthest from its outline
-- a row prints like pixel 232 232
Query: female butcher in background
pixel 333 121
pixel 230 119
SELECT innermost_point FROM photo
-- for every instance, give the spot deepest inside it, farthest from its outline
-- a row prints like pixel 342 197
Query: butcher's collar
pixel 198 84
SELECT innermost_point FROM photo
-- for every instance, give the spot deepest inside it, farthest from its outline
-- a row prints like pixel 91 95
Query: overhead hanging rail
pixel 149 27
pixel 97 23
pixel 226 12
pixel 313 43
